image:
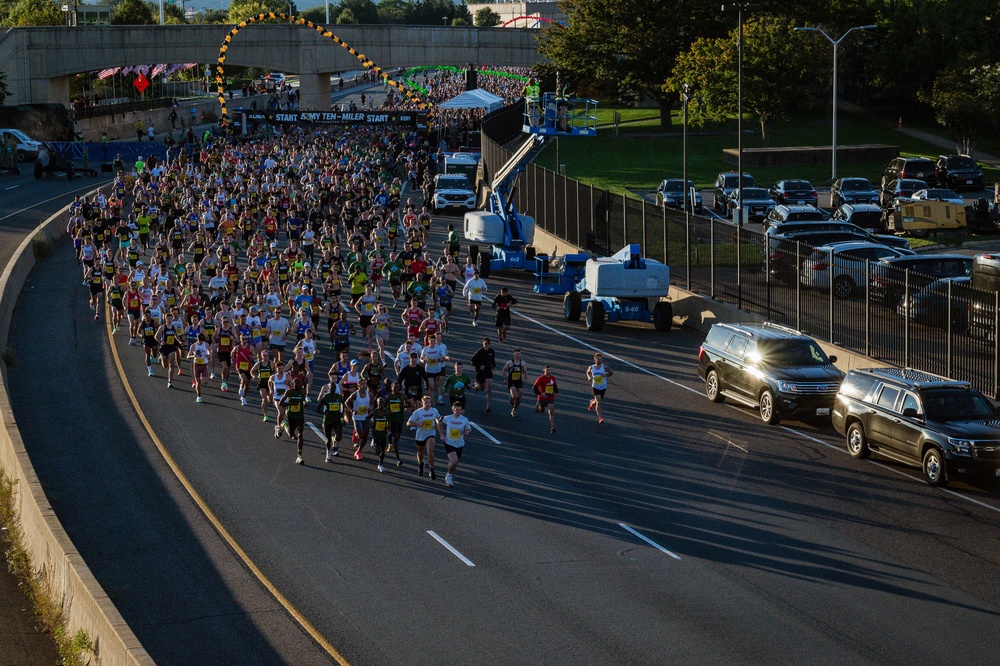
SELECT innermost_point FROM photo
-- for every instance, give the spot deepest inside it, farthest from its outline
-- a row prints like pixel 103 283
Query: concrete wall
pixel 85 604
pixel 32 56
pixel 699 312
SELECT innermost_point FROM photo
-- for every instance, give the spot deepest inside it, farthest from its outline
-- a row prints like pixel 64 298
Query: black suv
pixel 779 371
pixel 945 426
pixel 889 278
pixel 959 172
pixel 920 168
pixel 725 184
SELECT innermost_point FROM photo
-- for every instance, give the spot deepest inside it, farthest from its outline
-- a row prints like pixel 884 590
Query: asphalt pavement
pixel 679 531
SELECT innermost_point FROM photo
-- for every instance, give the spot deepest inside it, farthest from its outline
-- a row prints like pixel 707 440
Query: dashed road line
pixel 454 551
pixel 648 540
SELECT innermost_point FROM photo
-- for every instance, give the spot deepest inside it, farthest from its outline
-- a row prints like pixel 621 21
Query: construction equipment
pixel 926 218
pixel 623 287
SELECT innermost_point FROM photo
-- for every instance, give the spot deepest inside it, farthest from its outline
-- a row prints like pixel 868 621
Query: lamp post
pixel 836 43
pixel 685 98
pixel 327 2
pixel 739 8
pixel 445 19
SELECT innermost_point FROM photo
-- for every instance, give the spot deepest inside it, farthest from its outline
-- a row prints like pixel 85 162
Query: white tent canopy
pixel 473 99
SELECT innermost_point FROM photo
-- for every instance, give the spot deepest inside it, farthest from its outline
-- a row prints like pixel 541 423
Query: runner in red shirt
pixel 413 316
pixel 546 390
pixel 243 361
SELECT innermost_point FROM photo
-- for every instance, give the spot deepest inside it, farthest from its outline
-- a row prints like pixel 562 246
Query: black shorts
pixel 226 357
pixel 334 428
pixel 117 306
pixel 414 392
pixel 96 289
pixel 460 401
pixel 245 376
pixel 435 375
pixel 276 347
pixel 296 424
pixel 457 450
pixel 168 349
pixel 151 349
pixel 396 428
pixel 341 345
pixel 262 385
pixel 503 318
pixel 380 443
pixel 482 376
pixel 600 392
pixel 366 321
pixel 519 384
pixel 423 442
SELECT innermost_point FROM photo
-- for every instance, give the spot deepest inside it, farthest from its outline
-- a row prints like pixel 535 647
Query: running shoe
pixel 243 401
pixel 298 460
pixel 440 399
pixel 590 407
pixel 131 342
pixel 212 376
pixel 433 475
pixel 335 451
pixel 169 385
pixel 354 437
pixel 308 399
pixel 179 372
pixel 358 456
pixel 449 480
pixel 265 418
pixel 474 323
pixel 150 370
pixel 114 330
pixel 600 421
pixel 198 399
pixel 96 316
pixel 329 457
pixel 552 430
pixel 225 387
pixel 380 467
pixel 420 470
pixel 488 410
pixel 399 463
pixel 277 432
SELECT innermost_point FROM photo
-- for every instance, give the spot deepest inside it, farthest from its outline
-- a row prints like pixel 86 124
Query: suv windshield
pixel 730 181
pixel 453 181
pixel 961 163
pixel 855 184
pixel 956 405
pixel 791 353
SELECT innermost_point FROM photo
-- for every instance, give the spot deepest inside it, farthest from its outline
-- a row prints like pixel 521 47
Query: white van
pixel 27 148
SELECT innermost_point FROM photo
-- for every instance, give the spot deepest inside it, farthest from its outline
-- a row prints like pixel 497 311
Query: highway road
pixel 680 531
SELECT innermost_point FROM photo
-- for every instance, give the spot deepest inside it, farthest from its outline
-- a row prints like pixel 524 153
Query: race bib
pixel 368 308
pixel 476 291
pixel 362 410
pixel 454 434
pixel 244 366
pixel 516 375
pixel 427 424
pixel 295 408
pixel 380 426
pixel 549 389
pixel 599 381
pixel 394 408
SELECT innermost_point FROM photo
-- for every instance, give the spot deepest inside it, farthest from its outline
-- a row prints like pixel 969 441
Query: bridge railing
pixel 951 332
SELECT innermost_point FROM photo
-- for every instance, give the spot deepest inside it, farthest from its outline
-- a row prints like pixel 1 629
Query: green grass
pixel 647 155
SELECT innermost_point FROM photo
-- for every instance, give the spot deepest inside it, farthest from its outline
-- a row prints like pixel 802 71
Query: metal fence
pixel 891 316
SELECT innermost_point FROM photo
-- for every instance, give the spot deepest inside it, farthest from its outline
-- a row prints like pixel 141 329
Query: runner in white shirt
pixel 453 430
pixel 199 353
pixel 474 290
pixel 434 357
pixel 358 406
pixel 597 375
pixel 424 420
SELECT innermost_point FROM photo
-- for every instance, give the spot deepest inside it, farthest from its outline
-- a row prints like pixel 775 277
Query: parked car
pixel 902 188
pixel 920 168
pixel 959 172
pixel 453 190
pixel 51 161
pixel 799 192
pixel 25 148
pixel 783 213
pixel 756 201
pixel 945 427
pixel 930 305
pixel 982 302
pixel 866 216
pixel 783 250
pixel 787 228
pixel 853 191
pixel 671 193
pixel 845 263
pixel 276 77
pixel 779 371
pixel 725 183
pixel 890 277
pixel 938 194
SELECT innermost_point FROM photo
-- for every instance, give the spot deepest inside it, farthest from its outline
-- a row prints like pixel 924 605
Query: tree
pixel 628 47
pixel 487 18
pixel 241 10
pixel 779 68
pixel 173 14
pixel 394 11
pixel 35 12
pixel 346 17
pixel 966 102
pixel 133 12
pixel 4 91
pixel 362 11
pixel 318 14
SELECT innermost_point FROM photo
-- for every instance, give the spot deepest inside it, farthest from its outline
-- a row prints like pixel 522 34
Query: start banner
pixel 411 118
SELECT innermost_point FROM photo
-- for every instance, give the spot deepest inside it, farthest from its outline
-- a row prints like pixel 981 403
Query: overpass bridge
pixel 39 61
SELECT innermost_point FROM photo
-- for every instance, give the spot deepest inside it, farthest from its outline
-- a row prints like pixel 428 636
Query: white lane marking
pixel 485 434
pixel 648 540
pixel 11 187
pixel 319 433
pixel 727 441
pixel 688 388
pixel 604 353
pixel 451 548
pixel 39 203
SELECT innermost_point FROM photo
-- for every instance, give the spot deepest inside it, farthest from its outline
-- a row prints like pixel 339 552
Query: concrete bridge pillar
pixel 54 90
pixel 314 92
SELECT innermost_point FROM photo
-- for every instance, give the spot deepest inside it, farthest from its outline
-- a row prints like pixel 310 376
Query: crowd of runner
pixel 233 266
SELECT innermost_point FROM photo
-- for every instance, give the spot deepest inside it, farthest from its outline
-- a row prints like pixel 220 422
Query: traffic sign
pixel 141 83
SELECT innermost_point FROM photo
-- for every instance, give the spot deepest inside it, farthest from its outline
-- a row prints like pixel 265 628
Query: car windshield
pixel 20 135
pixel 940 193
pixel 908 184
pixel 957 405
pixel 672 185
pixel 866 219
pixel 791 353
pixel 730 181
pixel 755 193
pixel 961 163
pixel 855 184
pixel 797 185
pixel 458 180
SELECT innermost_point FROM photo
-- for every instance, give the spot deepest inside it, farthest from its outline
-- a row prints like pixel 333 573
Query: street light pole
pixel 836 43
pixel 328 12
pixel 685 98
pixel 445 19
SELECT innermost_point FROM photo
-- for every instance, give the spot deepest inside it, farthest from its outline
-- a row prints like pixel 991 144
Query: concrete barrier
pixel 699 312
pixel 85 604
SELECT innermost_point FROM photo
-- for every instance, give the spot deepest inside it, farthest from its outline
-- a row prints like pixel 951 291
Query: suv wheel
pixel 712 389
pixel 934 469
pixel 768 410
pixel 843 287
pixel 857 443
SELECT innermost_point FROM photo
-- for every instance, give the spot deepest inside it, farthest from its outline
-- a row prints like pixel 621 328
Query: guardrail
pixel 955 337
pixel 85 604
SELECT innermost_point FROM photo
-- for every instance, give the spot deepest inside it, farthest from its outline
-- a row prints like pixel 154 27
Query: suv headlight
pixel 787 387
pixel 959 446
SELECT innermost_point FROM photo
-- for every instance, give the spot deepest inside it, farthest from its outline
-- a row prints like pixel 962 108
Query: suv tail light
pixel 701 352
pixel 821 266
